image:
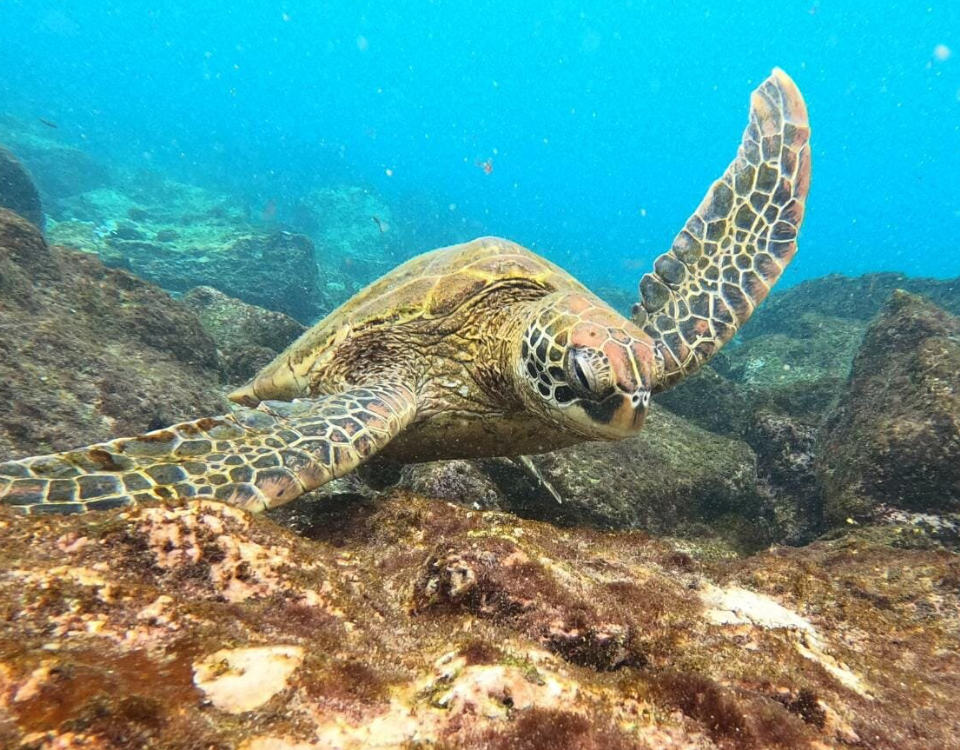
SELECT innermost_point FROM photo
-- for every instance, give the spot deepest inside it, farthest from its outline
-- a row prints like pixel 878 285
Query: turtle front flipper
pixel 254 458
pixel 736 245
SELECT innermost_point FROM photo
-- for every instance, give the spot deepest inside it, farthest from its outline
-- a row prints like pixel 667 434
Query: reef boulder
pixel 181 236
pixel 673 478
pixel 847 298
pixel 894 438
pixel 247 336
pixel 88 353
pixel 17 191
pixel 795 355
pixel 276 270
pixel 58 168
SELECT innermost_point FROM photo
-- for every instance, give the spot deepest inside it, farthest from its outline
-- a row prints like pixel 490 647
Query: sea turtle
pixel 479 349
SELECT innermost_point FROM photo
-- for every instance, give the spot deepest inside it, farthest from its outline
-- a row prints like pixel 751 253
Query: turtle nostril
pixel 640 398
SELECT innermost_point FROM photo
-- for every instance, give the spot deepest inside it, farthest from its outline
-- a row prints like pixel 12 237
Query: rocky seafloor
pixel 772 563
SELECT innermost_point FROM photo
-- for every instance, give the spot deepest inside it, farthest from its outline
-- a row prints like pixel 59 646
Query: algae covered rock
pixel 714 402
pixel 181 236
pixel 276 270
pixel 845 298
pixel 786 465
pixel 796 354
pixel 894 438
pixel 353 227
pixel 88 353
pixel 59 168
pixel 774 385
pixel 410 622
pixel 247 336
pixel 62 171
pixel 477 483
pixel 673 478
pixel 17 191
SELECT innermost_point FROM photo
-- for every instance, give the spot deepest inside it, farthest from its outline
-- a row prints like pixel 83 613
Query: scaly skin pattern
pixel 253 458
pixel 473 350
pixel 619 365
pixel 736 245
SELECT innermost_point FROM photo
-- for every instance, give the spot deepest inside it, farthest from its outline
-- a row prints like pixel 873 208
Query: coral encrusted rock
pixel 415 623
pixel 894 438
pixel 88 353
pixel 248 337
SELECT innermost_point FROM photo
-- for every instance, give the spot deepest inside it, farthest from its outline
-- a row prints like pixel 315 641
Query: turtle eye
pixel 588 373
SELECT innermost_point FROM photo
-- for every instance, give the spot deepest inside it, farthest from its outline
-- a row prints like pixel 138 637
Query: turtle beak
pixel 625 413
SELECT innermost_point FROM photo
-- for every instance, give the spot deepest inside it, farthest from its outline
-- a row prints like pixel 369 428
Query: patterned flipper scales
pixel 736 245
pixel 253 458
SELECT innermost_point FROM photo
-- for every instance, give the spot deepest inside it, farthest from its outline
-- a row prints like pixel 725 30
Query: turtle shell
pixel 430 286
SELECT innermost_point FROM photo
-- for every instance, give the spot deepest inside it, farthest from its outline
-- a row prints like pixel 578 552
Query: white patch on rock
pixel 242 679
pixel 737 606
pixel 271 742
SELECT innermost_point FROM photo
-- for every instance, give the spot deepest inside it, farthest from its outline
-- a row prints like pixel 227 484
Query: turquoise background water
pixel 605 122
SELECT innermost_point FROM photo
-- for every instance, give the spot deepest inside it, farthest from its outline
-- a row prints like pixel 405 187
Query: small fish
pixel 48 123
pixel 486 166
pixel 381 225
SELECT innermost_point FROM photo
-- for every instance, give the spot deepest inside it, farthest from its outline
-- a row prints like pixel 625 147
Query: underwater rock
pixel 894 438
pixel 276 271
pixel 62 171
pixel 17 191
pixel 786 464
pixel 466 482
pixel 77 235
pixel 25 258
pixel 774 388
pixel 238 680
pixel 672 478
pixel 795 355
pixel 800 373
pixel 411 622
pixel 353 229
pixel 58 168
pixel 858 298
pixel 88 353
pixel 180 236
pixel 714 402
pixel 780 425
pixel 247 336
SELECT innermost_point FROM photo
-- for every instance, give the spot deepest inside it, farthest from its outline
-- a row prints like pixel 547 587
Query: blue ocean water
pixel 587 131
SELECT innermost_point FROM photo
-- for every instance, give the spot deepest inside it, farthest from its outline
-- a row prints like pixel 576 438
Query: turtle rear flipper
pixel 736 245
pixel 254 458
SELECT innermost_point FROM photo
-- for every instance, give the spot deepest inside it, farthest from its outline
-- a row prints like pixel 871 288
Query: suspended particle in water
pixel 941 53
pixel 362 43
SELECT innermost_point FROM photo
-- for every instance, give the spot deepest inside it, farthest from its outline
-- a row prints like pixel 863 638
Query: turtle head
pixel 586 367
